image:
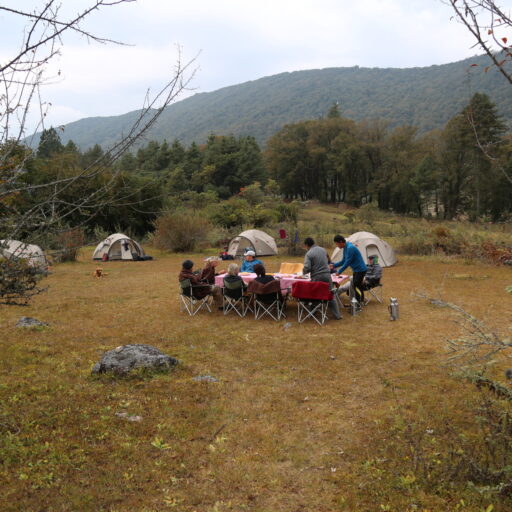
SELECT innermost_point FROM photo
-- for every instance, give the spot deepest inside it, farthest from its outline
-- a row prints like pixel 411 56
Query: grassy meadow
pixel 356 415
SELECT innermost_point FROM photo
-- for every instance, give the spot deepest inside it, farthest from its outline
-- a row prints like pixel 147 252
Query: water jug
pixel 354 306
pixel 394 312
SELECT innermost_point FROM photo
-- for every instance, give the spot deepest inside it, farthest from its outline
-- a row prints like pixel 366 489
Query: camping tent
pixel 369 245
pixel 119 247
pixel 261 243
pixel 32 253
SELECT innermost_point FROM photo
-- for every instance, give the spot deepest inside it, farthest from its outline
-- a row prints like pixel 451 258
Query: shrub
pixel 253 194
pixel 181 231
pixel 18 281
pixel 231 213
pixel 69 243
pixel 287 212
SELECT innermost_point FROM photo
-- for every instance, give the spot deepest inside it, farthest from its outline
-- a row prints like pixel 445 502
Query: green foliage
pixel 18 281
pixel 180 231
pixel 49 144
pixel 234 212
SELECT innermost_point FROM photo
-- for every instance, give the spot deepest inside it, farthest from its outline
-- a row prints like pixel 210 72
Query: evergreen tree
pixel 49 144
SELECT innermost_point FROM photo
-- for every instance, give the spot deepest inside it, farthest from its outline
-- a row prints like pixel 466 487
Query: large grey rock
pixel 26 321
pixel 129 357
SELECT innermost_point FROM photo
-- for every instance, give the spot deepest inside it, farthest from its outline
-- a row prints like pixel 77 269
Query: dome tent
pixel 34 255
pixel 119 247
pixel 369 245
pixel 259 241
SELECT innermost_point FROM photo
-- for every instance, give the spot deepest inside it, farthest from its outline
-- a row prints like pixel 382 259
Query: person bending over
pixel 351 258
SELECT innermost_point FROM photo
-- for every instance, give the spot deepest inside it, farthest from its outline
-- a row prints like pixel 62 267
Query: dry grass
pixel 294 423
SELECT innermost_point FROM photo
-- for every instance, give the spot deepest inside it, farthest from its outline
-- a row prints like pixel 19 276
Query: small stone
pixel 205 378
pixel 287 325
pixel 127 417
pixel 26 321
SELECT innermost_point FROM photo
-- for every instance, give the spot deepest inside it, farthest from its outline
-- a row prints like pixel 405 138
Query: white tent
pixel 118 247
pixel 369 245
pixel 34 255
pixel 259 241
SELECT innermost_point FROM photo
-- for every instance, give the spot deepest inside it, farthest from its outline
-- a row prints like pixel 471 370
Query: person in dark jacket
pixel 373 272
pixel 200 288
pixel 209 271
pixel 351 258
pixel 232 275
pixel 261 274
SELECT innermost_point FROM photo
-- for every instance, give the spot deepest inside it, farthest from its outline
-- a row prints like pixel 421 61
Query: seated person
pixel 264 279
pixel 373 272
pixel 261 274
pixel 232 275
pixel 208 273
pixel 200 288
pixel 249 262
pixel 371 278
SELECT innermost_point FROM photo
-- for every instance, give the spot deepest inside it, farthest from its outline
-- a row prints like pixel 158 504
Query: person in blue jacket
pixel 351 258
pixel 249 262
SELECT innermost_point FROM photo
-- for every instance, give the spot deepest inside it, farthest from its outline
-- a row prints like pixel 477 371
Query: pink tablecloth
pixel 286 280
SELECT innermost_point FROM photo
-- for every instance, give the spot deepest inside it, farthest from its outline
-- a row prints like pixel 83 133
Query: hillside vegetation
pixel 423 97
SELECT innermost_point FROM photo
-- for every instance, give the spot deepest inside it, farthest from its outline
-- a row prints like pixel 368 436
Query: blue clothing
pixel 248 266
pixel 351 258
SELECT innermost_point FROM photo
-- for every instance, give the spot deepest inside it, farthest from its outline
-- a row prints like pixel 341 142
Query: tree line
pixel 463 170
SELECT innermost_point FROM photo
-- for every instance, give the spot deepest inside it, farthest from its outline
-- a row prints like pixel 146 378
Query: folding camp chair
pixel 189 302
pixel 375 291
pixel 268 300
pixel 313 297
pixel 233 298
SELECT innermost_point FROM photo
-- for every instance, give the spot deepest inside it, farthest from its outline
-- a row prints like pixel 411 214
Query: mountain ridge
pixel 426 97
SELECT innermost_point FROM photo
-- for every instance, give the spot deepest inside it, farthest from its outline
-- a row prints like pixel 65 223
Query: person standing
pixel 351 258
pixel 316 263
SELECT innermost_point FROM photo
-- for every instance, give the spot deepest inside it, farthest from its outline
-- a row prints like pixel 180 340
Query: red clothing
pixel 201 289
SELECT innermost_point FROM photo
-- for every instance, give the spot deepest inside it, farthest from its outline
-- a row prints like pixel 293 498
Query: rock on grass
pixel 125 358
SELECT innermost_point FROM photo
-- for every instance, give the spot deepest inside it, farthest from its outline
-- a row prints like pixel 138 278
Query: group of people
pixel 316 263
pixel 364 276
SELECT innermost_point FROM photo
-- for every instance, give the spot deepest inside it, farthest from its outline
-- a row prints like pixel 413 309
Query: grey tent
pixel 259 241
pixel 34 255
pixel 118 247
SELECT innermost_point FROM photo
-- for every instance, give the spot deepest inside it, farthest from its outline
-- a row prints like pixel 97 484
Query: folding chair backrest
pixel 234 289
pixel 267 292
pixel 186 287
pixel 291 268
pixel 311 290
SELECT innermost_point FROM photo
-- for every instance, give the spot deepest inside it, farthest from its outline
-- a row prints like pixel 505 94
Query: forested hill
pixel 424 97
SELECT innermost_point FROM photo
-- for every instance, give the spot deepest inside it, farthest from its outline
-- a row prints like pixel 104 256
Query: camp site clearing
pixel 296 417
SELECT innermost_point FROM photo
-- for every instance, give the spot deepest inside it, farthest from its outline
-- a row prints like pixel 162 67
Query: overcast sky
pixel 235 41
